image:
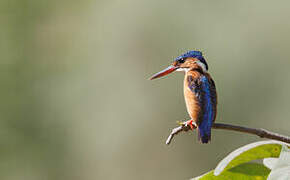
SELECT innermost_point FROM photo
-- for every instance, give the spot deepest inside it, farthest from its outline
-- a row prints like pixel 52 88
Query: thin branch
pixel 259 132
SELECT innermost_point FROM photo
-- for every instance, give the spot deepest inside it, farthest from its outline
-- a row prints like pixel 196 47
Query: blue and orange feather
pixel 199 91
pixel 202 94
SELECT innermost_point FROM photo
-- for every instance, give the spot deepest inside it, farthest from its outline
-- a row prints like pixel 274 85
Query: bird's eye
pixel 181 60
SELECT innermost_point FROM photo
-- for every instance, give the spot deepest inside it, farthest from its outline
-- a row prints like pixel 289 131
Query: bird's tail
pixel 204 134
pixel 204 138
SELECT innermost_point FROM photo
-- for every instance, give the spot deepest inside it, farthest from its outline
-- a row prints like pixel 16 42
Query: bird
pixel 199 92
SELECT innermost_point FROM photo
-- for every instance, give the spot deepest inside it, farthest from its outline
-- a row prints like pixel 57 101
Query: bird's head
pixel 185 62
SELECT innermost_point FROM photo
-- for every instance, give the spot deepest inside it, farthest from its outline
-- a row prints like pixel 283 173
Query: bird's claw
pixel 190 123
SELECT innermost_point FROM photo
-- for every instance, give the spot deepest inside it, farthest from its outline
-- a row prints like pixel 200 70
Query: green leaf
pixel 253 151
pixel 247 171
pixel 281 169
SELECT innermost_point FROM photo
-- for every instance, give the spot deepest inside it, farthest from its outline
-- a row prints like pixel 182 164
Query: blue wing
pixel 204 89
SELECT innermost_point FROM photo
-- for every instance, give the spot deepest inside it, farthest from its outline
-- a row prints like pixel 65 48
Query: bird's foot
pixel 189 123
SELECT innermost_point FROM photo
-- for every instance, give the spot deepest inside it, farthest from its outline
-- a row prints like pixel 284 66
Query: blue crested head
pixel 193 54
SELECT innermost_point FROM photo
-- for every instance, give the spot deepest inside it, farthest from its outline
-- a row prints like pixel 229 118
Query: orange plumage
pixel 199 91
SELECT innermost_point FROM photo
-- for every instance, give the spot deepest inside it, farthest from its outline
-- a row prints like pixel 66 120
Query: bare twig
pixel 259 132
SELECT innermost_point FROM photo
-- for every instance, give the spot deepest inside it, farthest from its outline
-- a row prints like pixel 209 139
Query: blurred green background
pixel 76 102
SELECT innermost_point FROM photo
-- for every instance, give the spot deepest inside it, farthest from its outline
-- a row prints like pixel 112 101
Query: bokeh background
pixel 76 102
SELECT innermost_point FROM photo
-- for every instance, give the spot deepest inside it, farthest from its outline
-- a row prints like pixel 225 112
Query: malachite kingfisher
pixel 199 92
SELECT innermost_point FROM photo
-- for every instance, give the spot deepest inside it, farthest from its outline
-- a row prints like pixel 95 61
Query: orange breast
pixel 192 105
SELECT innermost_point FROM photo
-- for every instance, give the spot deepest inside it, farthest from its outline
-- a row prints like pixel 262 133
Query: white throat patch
pixel 183 69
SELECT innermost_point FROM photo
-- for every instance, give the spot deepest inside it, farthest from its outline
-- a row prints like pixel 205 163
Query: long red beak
pixel 164 72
